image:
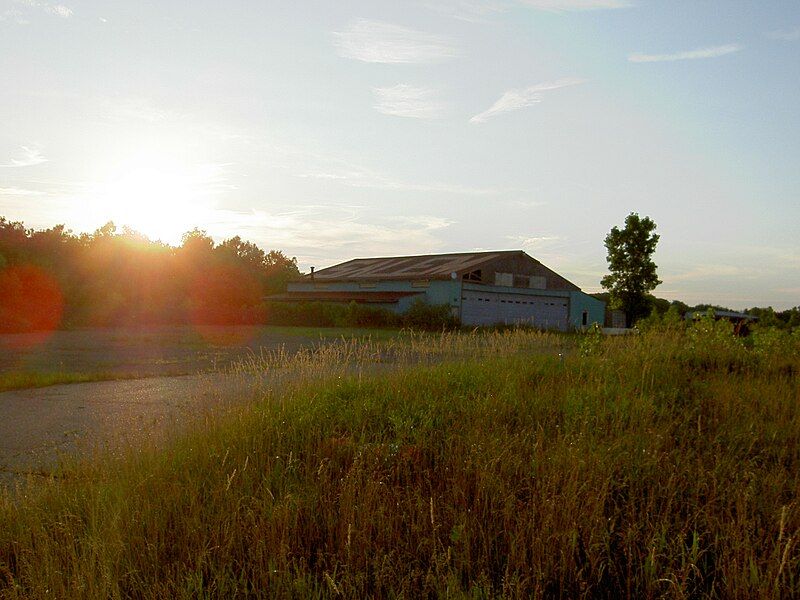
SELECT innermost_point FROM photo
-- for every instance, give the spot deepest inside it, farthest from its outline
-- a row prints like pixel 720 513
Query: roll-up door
pixel 492 308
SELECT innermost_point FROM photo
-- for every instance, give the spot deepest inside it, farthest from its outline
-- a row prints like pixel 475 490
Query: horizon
pixel 359 130
pixel 304 272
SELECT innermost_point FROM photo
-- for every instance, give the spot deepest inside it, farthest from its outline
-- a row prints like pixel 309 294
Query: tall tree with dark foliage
pixel 632 270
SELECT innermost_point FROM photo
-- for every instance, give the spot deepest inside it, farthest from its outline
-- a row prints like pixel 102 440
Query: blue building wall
pixel 578 302
pixel 449 292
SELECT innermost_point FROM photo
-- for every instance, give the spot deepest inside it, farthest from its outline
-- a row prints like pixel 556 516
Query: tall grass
pixel 662 465
pixel 36 379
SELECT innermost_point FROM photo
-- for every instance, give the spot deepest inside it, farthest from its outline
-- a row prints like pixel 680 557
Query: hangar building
pixel 481 288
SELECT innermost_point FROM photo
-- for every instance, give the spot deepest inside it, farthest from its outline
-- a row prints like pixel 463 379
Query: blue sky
pixel 332 130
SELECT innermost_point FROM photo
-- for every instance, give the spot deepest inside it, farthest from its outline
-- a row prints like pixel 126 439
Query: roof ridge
pixel 443 254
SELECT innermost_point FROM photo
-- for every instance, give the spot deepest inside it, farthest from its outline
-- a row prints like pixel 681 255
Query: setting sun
pixel 157 200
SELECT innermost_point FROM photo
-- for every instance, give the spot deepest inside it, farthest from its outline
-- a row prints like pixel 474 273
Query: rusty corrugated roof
pixel 428 266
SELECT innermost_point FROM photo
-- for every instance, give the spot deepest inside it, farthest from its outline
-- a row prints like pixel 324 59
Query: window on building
pixel 475 275
pixel 504 279
pixel 585 318
pixel 537 282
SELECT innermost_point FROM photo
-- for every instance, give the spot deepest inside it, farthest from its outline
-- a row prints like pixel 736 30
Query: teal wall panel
pixel 580 302
pixel 449 292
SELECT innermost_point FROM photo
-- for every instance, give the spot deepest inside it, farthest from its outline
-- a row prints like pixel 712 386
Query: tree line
pixel 659 308
pixel 632 277
pixel 53 278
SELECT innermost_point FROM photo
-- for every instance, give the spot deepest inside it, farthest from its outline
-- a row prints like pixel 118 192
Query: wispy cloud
pixel 59 10
pixel 516 99
pixel 327 166
pixel 362 178
pixel 404 100
pixel 321 235
pixel 29 157
pixel 534 242
pixel 707 271
pixel 20 192
pixel 556 251
pixel 478 11
pixel 710 52
pixel 378 42
pixel 526 203
pixel 786 35
pixel 744 274
pixel 13 14
pixel 135 109
pixel 575 5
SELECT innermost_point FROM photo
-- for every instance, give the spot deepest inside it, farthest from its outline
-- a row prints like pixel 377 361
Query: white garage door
pixel 491 308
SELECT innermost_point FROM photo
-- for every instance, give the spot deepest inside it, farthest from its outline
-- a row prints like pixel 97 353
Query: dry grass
pixel 664 465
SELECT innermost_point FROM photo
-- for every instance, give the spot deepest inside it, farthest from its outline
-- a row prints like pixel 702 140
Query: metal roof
pixel 720 314
pixel 427 266
pixel 338 296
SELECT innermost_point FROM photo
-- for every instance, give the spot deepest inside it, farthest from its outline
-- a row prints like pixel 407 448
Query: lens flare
pixel 30 301
pixel 222 296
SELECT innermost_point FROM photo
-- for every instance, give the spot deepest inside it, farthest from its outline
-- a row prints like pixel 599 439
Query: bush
pixel 429 317
pixel 326 314
pixel 671 319
pixel 309 314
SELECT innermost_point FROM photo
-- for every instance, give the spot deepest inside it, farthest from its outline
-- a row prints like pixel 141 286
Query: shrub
pixel 428 317
pixel 671 319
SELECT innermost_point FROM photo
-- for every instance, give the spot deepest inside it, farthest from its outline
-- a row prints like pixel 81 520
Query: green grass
pixel 32 379
pixel 199 336
pixel 335 332
pixel 114 354
pixel 664 465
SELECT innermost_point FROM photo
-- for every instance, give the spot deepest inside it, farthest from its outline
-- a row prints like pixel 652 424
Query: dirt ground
pixel 171 374
pixel 40 425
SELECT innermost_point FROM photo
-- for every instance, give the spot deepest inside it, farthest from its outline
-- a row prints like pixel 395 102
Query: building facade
pixel 481 288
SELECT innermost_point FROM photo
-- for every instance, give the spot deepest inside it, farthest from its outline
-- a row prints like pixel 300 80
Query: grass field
pixel 81 355
pixel 518 465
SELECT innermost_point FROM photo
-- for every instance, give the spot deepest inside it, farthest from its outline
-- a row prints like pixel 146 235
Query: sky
pixel 334 130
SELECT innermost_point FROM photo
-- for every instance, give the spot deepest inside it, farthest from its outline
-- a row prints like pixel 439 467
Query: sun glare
pixel 161 201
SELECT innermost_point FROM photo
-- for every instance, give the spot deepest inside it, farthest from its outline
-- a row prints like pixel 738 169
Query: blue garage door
pixel 492 308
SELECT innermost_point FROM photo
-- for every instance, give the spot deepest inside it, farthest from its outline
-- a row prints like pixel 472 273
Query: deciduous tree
pixel 632 270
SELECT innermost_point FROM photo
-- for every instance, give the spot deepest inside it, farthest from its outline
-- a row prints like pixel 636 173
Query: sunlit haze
pixel 333 130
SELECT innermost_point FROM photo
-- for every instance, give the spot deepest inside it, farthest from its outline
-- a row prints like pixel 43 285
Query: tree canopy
pixel 54 278
pixel 632 272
